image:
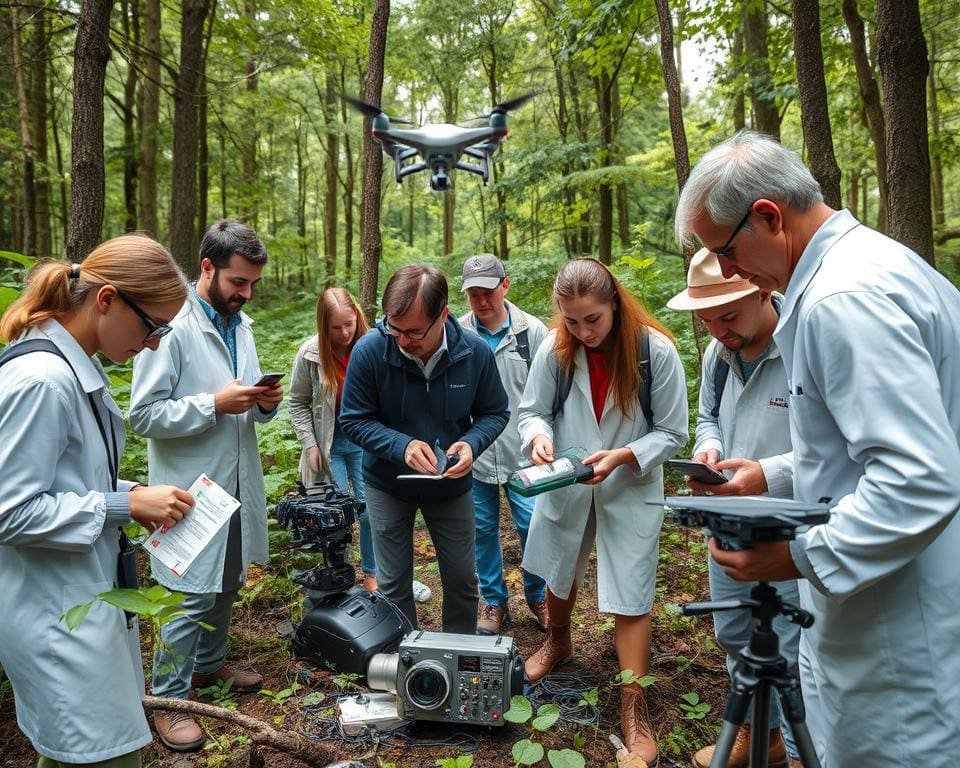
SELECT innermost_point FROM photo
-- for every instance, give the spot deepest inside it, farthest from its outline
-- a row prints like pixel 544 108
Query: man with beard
pixel 743 428
pixel 196 402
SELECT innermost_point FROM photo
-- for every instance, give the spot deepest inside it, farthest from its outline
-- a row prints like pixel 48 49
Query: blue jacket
pixel 387 402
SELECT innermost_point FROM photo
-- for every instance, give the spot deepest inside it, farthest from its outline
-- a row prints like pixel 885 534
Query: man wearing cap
pixel 514 337
pixel 743 429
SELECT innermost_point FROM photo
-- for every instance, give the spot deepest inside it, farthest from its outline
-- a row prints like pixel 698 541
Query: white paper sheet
pixel 179 546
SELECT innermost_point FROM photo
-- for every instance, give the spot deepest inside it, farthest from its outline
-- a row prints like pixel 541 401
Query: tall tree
pixel 870 98
pixel 130 16
pixel 762 94
pixel 370 243
pixel 331 162
pixel 902 56
pixel 150 118
pixel 936 148
pixel 183 182
pixel 26 135
pixel 814 113
pixel 91 52
pixel 38 99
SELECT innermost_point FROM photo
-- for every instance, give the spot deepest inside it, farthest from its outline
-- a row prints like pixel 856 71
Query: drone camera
pixel 440 181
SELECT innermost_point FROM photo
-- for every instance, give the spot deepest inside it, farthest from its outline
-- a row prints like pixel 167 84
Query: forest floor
pixel 687 666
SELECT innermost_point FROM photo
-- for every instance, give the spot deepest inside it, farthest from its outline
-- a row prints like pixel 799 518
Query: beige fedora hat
pixel 707 287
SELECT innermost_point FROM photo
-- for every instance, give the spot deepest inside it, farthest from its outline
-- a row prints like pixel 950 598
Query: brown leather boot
pixel 555 651
pixel 178 731
pixel 740 752
pixel 244 680
pixel 637 736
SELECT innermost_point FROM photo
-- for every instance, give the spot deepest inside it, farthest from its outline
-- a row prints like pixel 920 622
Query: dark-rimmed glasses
pixel 412 336
pixel 725 248
pixel 154 330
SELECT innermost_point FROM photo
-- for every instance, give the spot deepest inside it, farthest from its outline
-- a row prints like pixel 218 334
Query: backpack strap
pixel 564 383
pixel 719 384
pixel 523 346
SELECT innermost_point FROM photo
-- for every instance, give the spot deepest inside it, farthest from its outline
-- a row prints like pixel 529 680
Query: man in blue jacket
pixel 420 390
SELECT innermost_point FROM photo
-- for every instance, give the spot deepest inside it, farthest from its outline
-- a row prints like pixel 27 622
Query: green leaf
pixel 75 615
pixel 312 699
pixel 546 717
pixel 590 697
pixel 7 296
pixel 565 758
pixel 520 710
pixel 691 698
pixel 526 752
pixel 19 258
pixel 131 600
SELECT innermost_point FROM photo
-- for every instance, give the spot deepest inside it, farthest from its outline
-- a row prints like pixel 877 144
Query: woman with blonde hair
pixel 598 336
pixel 77 692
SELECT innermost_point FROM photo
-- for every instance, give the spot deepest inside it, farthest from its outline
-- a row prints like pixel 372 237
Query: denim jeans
pixel 346 464
pixel 733 632
pixel 187 647
pixel 486 507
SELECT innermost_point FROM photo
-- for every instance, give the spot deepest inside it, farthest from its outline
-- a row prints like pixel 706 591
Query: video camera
pixel 736 521
pixel 450 678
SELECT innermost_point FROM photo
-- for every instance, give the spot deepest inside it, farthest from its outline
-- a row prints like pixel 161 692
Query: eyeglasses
pixel 412 336
pixel 723 249
pixel 154 331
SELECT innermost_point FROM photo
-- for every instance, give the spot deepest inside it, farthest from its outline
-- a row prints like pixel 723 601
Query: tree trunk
pixel 936 162
pixel 61 170
pixel 450 98
pixel 150 119
pixel 739 101
pixel 331 162
pixel 41 179
pixel 870 96
pixel 302 161
pixel 853 190
pixel 814 111
pixel 183 182
pixel 348 188
pixel 29 221
pixel 601 84
pixel 370 243
pixel 250 132
pixel 623 207
pixel 91 53
pixel 131 33
pixel 902 56
pixel 762 100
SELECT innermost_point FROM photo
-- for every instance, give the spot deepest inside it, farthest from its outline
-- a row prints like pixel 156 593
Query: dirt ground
pixel 685 661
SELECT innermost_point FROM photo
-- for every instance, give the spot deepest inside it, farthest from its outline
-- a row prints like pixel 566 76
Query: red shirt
pixel 597 363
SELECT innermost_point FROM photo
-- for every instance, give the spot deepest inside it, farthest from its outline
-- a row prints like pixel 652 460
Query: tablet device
pixel 698 471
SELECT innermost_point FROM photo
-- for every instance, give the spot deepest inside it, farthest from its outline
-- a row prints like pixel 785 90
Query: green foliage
pixel 526 752
pixel 692 707
pixel 220 693
pixel 461 761
pixel 627 677
pixel 279 698
pixel 565 758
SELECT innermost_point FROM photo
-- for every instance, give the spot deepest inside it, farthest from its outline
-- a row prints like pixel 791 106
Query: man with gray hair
pixel 869 335
pixel 422 395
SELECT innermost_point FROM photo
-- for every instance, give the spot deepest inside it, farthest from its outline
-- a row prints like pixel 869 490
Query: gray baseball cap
pixel 482 271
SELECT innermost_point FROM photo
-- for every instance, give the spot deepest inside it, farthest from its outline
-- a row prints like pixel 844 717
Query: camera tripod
pixel 760 666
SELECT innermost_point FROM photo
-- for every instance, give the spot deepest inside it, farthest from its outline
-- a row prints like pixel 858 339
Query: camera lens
pixel 427 685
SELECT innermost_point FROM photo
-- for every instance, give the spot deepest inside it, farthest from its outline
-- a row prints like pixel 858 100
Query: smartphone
pixel 269 380
pixel 698 471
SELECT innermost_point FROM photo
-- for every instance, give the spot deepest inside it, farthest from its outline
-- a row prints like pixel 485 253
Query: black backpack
pixel 719 383
pixel 565 382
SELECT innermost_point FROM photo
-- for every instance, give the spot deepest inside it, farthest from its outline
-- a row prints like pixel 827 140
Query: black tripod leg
pixel 791 701
pixel 760 732
pixel 734 713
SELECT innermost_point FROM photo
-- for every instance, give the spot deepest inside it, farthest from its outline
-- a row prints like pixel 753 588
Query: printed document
pixel 179 546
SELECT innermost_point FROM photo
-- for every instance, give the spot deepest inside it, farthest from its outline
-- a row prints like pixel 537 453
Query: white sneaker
pixel 421 592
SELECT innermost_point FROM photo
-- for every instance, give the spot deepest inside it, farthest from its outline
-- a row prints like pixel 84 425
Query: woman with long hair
pixel 598 336
pixel 315 389
pixel 77 692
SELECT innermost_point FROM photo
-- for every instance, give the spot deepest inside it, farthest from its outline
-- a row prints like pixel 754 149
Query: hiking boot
pixel 740 752
pixel 539 611
pixel 244 681
pixel 635 725
pixel 490 619
pixel 178 731
pixel 421 592
pixel 555 651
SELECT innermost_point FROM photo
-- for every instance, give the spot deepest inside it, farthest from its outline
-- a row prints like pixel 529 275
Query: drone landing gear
pixel 760 667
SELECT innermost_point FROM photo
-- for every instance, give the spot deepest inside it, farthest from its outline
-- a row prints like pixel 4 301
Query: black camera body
pixel 450 678
pixel 737 521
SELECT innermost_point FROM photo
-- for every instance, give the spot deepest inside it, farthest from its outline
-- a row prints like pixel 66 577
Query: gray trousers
pixel 452 530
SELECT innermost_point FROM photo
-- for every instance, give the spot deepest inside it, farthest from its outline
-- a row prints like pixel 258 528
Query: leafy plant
pixel 529 752
pixel 346 681
pixel 692 707
pixel 627 677
pixel 220 693
pixel 280 697
pixel 461 761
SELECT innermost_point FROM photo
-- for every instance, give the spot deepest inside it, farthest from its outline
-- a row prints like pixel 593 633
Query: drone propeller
pixel 506 106
pixel 370 110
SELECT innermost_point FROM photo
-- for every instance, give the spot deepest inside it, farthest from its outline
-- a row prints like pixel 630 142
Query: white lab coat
pixel 77 693
pixel 870 337
pixel 627 527
pixel 172 404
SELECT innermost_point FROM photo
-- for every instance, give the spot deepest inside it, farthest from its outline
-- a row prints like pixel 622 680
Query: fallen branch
pixel 303 749
pixel 948 233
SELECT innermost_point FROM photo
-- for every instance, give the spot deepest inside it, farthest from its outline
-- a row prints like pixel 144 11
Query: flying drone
pixel 441 147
